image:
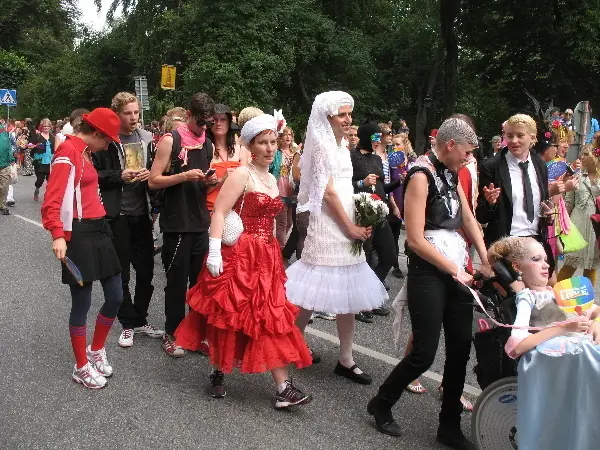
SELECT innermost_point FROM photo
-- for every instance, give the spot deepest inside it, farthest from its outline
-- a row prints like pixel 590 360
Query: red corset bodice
pixel 258 214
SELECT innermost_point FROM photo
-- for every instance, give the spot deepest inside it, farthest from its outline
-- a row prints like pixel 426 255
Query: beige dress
pixel 582 203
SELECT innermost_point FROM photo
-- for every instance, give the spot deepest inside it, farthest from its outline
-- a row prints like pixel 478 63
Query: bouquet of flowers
pixel 371 211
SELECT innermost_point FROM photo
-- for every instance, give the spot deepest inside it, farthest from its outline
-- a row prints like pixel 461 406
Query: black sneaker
pixel 453 437
pixel 10 203
pixel 4 211
pixel 291 396
pixel 217 385
pixel 364 316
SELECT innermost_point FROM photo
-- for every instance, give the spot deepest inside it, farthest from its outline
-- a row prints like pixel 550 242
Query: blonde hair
pixel 354 127
pixel 589 148
pixel 525 121
pixel 122 99
pixel 405 142
pixel 511 249
pixel 248 113
pixel 177 114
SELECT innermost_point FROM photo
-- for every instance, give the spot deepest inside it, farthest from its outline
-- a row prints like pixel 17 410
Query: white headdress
pixel 281 123
pixel 316 164
pixel 257 125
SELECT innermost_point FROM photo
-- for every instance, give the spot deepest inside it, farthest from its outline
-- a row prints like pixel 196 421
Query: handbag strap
pixel 245 188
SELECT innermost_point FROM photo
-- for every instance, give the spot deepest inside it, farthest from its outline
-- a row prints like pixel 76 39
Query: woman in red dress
pixel 239 304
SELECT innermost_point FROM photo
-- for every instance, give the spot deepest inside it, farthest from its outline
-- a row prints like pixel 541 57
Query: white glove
pixel 214 262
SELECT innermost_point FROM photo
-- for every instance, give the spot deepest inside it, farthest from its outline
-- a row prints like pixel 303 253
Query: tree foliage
pixel 417 59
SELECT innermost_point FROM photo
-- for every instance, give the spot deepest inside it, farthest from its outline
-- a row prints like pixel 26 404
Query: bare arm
pixel 232 189
pixel 161 161
pixel 414 219
pixel 536 339
pixel 296 168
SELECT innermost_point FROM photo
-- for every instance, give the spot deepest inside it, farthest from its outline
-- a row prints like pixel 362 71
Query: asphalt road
pixel 156 402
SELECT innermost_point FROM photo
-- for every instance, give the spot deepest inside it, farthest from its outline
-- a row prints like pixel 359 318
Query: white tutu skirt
pixel 334 289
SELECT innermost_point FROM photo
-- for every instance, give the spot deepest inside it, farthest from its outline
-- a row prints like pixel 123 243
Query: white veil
pixel 316 166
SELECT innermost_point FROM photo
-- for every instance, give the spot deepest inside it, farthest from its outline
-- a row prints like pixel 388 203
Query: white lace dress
pixel 329 277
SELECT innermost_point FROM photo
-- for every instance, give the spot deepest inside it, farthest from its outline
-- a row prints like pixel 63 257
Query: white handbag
pixel 233 227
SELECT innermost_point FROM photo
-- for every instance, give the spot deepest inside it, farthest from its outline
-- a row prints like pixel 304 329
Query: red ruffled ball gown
pixel 244 313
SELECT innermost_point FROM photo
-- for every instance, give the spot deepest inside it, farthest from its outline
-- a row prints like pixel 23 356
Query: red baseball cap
pixel 105 121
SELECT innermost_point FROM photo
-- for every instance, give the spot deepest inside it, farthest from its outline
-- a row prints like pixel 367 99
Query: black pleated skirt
pixel 92 251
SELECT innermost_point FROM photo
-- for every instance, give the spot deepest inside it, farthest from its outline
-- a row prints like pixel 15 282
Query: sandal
pixel 416 387
pixel 467 406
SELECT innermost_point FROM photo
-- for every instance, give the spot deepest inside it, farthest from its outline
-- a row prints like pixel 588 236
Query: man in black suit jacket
pixel 500 200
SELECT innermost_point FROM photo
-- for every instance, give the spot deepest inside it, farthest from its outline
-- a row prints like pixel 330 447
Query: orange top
pixel 221 168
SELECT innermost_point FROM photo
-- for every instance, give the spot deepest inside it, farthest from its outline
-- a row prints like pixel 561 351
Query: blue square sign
pixel 8 97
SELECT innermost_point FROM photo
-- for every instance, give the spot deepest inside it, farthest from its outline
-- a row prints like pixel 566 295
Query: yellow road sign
pixel 167 78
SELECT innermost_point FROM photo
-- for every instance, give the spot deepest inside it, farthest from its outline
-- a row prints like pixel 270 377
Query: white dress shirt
pixel 520 225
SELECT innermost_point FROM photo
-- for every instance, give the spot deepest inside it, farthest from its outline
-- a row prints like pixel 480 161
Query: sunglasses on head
pixel 203 122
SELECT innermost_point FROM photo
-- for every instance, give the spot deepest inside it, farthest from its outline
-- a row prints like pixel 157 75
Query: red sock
pixel 103 325
pixel 78 342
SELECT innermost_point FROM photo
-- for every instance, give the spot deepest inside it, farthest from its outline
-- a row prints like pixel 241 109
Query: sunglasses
pixel 203 122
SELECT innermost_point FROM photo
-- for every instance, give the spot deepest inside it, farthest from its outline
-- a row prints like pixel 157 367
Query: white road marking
pixel 29 220
pixel 331 338
pixel 383 357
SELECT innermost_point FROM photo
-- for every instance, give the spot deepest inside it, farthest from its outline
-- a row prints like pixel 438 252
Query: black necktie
pixel 528 201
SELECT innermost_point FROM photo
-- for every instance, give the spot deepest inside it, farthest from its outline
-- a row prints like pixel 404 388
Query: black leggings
pixel 81 299
pixel 434 299
pixel 381 242
pixel 396 226
pixel 40 177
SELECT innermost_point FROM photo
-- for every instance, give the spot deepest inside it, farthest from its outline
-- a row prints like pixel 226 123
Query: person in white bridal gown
pixel 329 277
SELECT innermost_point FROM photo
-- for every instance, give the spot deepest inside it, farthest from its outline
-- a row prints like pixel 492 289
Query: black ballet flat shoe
pixel 384 423
pixel 360 378
pixel 381 311
pixel 454 438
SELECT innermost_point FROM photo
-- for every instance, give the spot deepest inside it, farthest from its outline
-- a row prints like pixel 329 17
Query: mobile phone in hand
pixel 210 172
pixel 571 170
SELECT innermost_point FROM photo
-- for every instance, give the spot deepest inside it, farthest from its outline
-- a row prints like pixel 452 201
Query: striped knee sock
pixel 78 342
pixel 103 325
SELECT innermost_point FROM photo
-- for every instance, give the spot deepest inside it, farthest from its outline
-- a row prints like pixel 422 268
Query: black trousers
pixel 396 227
pixel 382 242
pixel 40 177
pixel 182 257
pixel 133 241
pixel 291 245
pixel 434 299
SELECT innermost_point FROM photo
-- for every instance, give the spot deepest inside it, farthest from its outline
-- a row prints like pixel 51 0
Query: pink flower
pixel 556 124
pixel 547 135
pixel 375 197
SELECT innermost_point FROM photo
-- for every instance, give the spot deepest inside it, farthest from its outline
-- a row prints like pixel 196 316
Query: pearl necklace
pixel 261 178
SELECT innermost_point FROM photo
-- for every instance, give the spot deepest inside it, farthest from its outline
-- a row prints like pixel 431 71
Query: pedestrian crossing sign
pixel 8 97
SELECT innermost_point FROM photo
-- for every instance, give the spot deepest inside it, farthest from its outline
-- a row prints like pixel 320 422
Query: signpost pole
pixel 7 112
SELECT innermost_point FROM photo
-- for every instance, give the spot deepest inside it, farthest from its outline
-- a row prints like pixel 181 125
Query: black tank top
pixel 443 210
pixel 184 206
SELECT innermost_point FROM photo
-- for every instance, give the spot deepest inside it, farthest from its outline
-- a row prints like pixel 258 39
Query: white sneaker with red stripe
pixel 98 360
pixel 126 338
pixel 89 377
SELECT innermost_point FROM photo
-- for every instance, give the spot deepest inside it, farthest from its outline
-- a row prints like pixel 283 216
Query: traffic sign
pixel 8 97
pixel 141 90
pixel 167 78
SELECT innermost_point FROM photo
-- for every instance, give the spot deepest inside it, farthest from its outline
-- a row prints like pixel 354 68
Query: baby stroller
pixel 494 418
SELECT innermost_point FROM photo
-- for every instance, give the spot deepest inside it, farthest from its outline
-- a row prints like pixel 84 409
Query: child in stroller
pixel 559 365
